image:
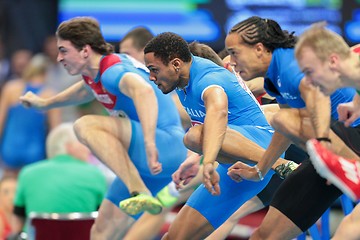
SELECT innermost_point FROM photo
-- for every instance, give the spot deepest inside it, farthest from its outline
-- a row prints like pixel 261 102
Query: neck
pixel 351 71
pixel 184 75
pixel 93 66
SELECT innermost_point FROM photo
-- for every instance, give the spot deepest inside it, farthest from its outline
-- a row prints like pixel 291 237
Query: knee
pixel 83 125
pixel 192 138
pixel 278 120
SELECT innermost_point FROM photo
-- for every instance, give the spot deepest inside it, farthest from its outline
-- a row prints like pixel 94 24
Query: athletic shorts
pixel 217 209
pixel 294 154
pixel 169 157
pixel 304 196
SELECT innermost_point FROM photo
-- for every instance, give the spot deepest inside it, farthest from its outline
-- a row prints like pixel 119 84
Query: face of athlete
pixel 127 47
pixel 246 59
pixel 73 60
pixel 164 76
pixel 317 72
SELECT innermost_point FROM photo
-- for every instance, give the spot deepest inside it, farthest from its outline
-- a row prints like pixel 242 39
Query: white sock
pixel 172 189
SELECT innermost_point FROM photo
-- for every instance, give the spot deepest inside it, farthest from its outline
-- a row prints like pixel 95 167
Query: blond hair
pixel 58 138
pixel 322 42
pixel 38 65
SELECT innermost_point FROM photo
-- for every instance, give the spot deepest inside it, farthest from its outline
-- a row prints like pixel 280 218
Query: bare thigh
pixel 189 224
pixel 276 226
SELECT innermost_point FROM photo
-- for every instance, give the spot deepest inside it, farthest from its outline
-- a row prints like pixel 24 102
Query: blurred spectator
pixel 7 193
pixel 4 65
pixel 23 131
pixel 65 183
pixel 18 62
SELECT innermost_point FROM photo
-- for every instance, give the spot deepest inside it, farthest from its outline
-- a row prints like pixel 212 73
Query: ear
pixel 333 61
pixel 86 51
pixel 260 49
pixel 176 62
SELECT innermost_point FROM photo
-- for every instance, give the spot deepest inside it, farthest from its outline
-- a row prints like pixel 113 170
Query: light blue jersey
pixel 283 79
pixel 169 131
pixel 244 116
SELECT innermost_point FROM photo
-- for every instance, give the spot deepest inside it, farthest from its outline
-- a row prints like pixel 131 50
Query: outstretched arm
pixel 145 101
pixel 76 94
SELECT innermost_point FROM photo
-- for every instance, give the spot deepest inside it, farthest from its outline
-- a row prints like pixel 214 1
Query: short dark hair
pixel 266 31
pixel 140 36
pixel 168 46
pixel 81 31
pixel 204 51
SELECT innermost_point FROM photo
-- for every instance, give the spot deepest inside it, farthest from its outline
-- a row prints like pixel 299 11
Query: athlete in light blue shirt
pixel 228 126
pixel 142 140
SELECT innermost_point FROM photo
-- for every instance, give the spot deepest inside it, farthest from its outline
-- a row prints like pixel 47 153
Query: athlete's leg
pixel 349 226
pixel 299 202
pixel 111 222
pixel 148 226
pixel 109 139
pixel 189 224
pixel 285 228
pixel 225 229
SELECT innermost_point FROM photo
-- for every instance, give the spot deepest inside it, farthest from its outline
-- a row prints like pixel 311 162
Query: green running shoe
pixel 166 198
pixel 141 203
pixel 285 170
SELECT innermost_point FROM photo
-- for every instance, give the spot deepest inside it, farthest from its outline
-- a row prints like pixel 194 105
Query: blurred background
pixel 24 24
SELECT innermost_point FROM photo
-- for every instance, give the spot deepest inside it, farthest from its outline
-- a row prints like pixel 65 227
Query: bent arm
pixel 318 107
pixel 215 123
pixel 145 101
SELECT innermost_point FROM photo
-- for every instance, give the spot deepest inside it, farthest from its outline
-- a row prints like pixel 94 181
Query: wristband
pixel 325 139
pixel 261 177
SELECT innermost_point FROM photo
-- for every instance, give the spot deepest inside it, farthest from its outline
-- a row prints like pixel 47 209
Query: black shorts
pixel 293 153
pixel 350 135
pixel 304 196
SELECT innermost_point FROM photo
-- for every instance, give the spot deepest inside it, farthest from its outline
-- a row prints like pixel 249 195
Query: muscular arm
pixel 144 98
pixel 145 101
pixel 318 107
pixel 278 145
pixel 215 124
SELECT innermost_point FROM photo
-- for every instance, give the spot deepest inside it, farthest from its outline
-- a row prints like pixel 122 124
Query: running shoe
pixel 166 198
pixel 284 170
pixel 141 203
pixel 343 173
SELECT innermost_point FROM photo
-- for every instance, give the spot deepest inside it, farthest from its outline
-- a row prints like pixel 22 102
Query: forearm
pixel 74 95
pixel 318 107
pixel 278 145
pixel 214 130
pixel 147 113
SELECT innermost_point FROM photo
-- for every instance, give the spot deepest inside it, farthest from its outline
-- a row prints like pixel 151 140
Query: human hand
pixel 187 171
pixel 348 113
pixel 32 100
pixel 239 171
pixel 211 179
pixel 152 159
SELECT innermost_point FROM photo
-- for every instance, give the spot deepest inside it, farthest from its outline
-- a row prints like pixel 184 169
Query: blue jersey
pixel 242 109
pixel 106 89
pixel 283 79
pixel 24 135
